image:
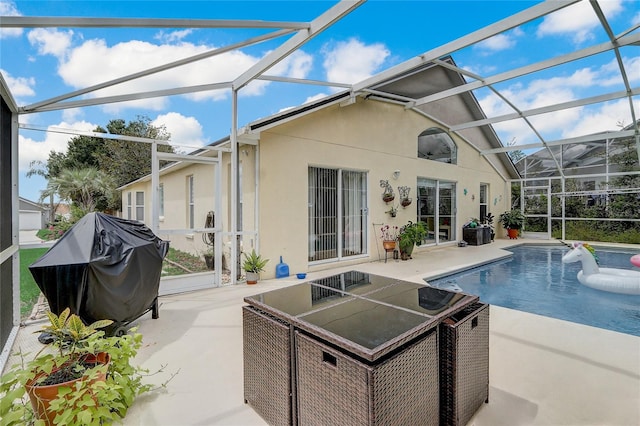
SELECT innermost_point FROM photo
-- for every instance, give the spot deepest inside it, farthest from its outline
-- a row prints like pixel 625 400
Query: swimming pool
pixel 535 280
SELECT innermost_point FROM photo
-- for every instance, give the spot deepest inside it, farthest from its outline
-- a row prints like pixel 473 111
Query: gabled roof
pixel 406 87
pixel 33 204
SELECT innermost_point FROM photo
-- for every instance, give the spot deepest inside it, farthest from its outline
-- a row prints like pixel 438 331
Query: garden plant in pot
pixel 82 377
pixel 253 264
pixel 512 221
pixel 488 220
pixel 410 235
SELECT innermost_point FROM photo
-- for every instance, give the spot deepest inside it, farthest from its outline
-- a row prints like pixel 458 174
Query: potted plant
pixel 488 220
pixel 410 235
pixel 208 258
pixel 512 221
pixel 405 200
pixel 389 237
pixel 253 264
pixel 82 378
pixel 388 194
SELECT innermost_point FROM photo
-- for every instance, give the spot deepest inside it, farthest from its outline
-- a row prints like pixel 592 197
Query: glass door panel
pixel 447 211
pixel 427 207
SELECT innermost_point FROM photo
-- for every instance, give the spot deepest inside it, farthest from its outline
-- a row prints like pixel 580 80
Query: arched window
pixel 435 144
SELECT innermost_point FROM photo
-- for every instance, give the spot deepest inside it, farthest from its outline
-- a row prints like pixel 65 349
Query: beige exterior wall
pixel 369 136
pixel 176 208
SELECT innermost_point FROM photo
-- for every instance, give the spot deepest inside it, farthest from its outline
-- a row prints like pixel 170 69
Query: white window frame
pixel 129 205
pixel 138 206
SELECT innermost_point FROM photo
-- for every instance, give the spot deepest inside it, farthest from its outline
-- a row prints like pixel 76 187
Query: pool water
pixel 535 280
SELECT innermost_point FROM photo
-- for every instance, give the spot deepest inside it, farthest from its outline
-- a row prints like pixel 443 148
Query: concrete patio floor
pixel 542 371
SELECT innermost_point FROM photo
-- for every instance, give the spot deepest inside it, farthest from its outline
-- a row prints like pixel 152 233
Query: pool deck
pixel 542 371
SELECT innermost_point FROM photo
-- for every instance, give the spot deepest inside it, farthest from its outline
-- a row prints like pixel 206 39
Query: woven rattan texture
pixel 464 358
pixel 403 390
pixel 267 367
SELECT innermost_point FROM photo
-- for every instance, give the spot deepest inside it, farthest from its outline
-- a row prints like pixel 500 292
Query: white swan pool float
pixel 623 281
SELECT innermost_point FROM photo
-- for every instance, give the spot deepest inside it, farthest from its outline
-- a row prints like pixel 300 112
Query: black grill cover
pixel 103 267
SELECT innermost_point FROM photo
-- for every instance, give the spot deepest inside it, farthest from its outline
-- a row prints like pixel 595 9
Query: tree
pixel 122 161
pixel 80 186
pixel 626 203
pixel 40 168
pixel 127 161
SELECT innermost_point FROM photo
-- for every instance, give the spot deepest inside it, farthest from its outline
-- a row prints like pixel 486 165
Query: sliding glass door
pixel 437 208
pixel 337 214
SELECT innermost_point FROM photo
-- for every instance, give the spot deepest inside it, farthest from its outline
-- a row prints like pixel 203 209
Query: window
pixel 437 208
pixel 435 144
pixel 337 214
pixel 190 203
pixel 484 203
pixel 129 205
pixel 140 206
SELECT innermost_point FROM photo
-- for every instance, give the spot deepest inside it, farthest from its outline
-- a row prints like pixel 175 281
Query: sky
pixel 41 63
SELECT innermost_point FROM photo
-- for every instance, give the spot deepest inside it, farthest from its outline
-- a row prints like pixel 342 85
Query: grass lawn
pixel 29 290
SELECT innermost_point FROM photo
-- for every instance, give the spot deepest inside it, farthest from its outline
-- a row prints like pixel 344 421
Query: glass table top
pixel 368 310
pixel 364 322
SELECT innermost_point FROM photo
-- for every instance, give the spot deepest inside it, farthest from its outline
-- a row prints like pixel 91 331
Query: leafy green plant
pixel 91 400
pixel 512 219
pixel 254 262
pixel 411 234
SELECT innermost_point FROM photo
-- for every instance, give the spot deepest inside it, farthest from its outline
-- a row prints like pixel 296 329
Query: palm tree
pixel 40 168
pixel 80 186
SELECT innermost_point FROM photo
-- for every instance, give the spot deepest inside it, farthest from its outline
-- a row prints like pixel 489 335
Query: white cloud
pixel 38 150
pixel 185 131
pixel 72 114
pixel 578 20
pixel 94 61
pixel 296 65
pixel 172 36
pixel 19 86
pixel 50 41
pixel 563 123
pixel 8 8
pixel 603 118
pixel 352 61
pixel 497 43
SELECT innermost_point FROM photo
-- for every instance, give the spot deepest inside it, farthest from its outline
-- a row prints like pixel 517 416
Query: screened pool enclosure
pixel 582 191
pixel 582 183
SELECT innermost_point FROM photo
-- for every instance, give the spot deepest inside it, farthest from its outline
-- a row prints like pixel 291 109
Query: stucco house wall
pixel 369 136
pixel 174 181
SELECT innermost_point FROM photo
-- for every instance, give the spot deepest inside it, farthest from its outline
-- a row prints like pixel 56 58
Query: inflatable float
pixel 622 281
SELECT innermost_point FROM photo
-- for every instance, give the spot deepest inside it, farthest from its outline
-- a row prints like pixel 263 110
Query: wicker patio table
pixel 350 349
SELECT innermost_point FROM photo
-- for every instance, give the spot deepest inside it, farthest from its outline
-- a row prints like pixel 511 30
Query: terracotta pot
pixel 389 245
pixel 513 233
pixel 41 396
pixel 388 197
